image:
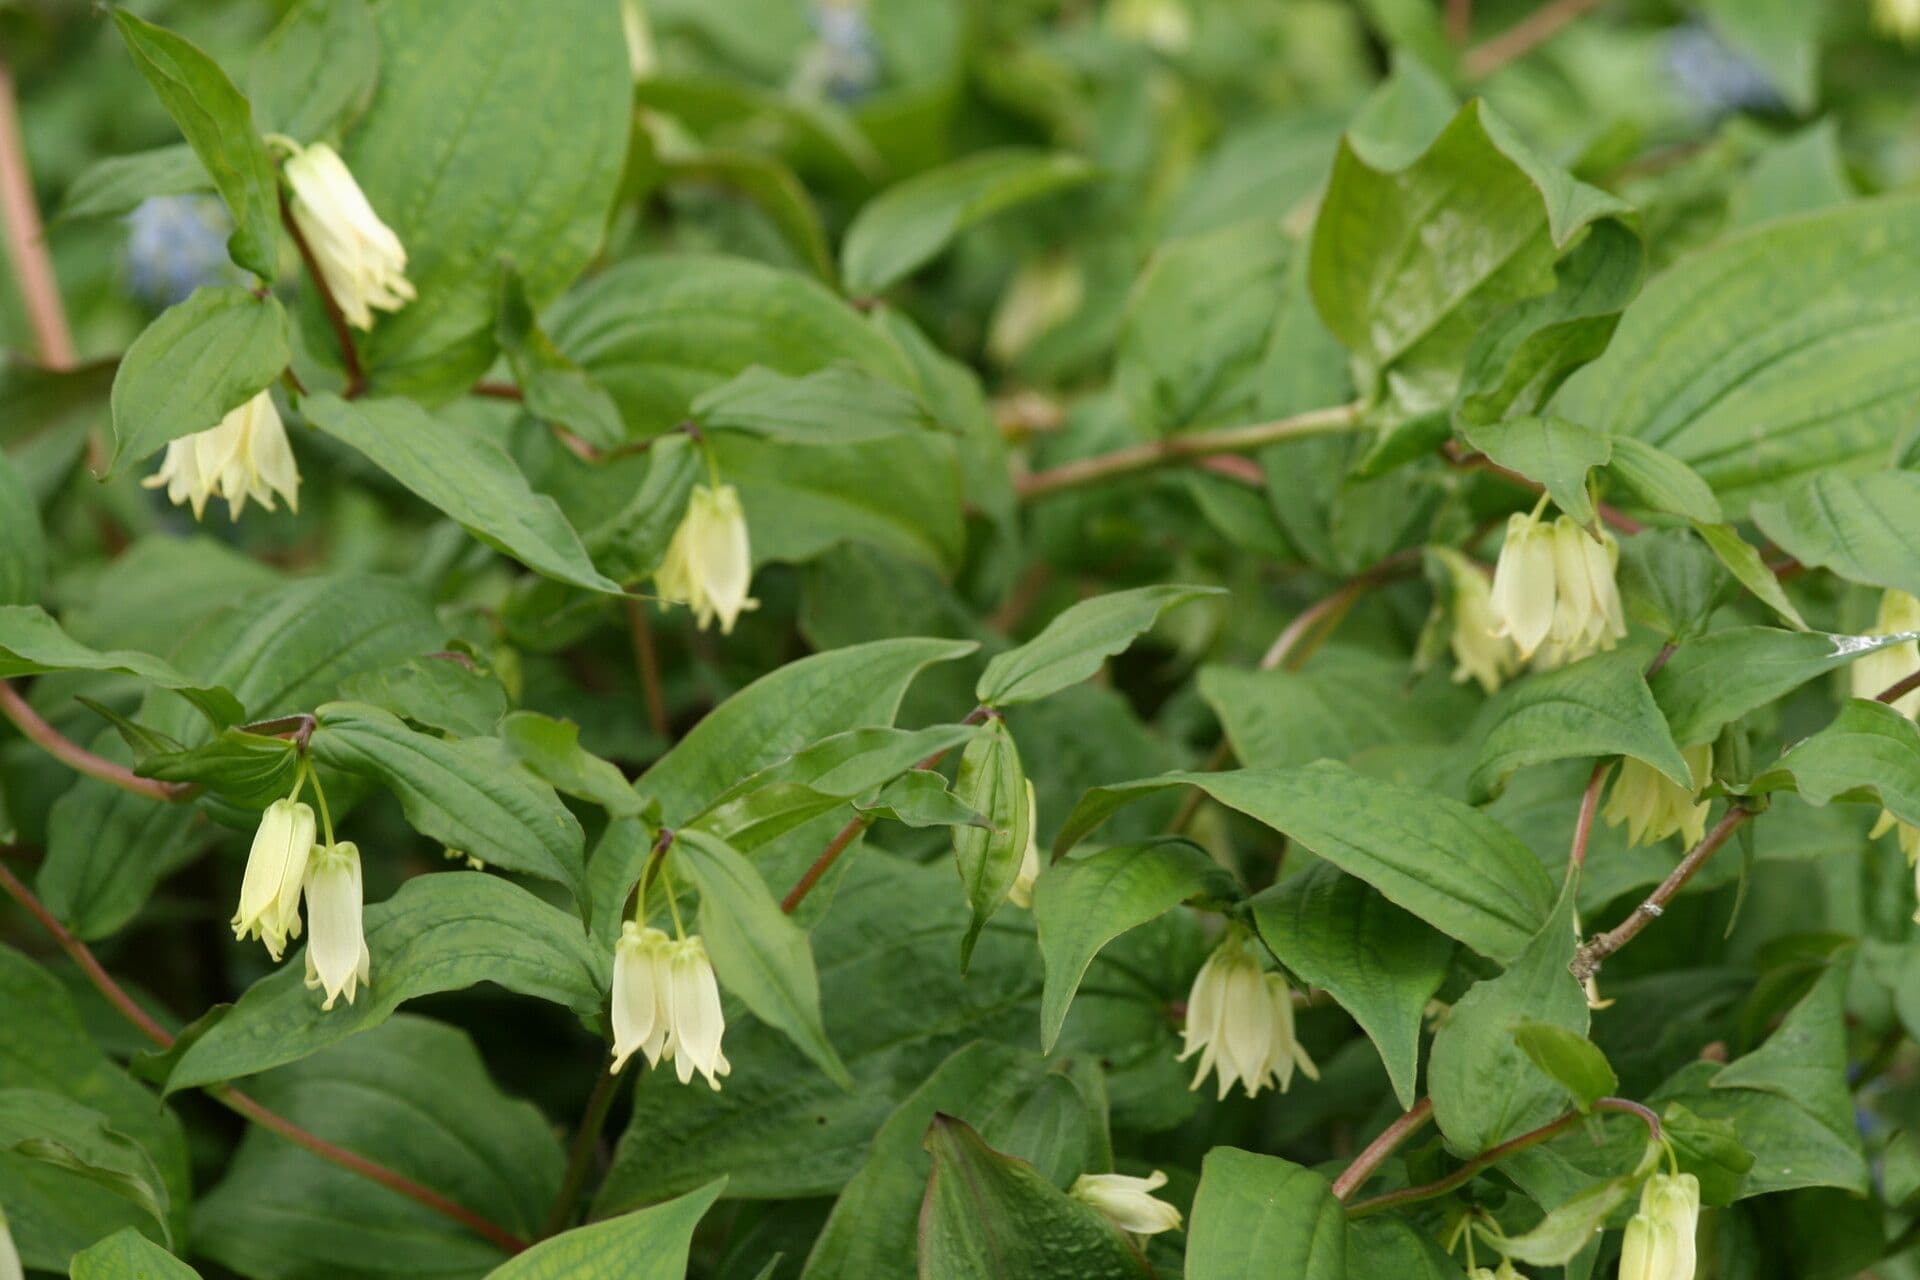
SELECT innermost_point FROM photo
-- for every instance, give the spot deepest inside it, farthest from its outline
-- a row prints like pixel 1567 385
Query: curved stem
pixel 1377 1151
pixel 26 239
pixel 1187 447
pixel 1583 825
pixel 1898 689
pixel 1493 1155
pixel 1587 961
pixel 228 1096
pixel 336 318
pixel 1523 37
pixel 49 739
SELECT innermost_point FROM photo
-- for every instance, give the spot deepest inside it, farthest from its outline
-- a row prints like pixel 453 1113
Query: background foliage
pixel 1123 371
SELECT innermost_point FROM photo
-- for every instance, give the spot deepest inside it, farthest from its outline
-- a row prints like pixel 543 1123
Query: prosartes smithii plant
pixel 960 639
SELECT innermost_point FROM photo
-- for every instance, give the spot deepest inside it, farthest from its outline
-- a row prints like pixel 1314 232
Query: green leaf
pixel 551 750
pixel 1257 1216
pixel 1449 864
pixel 647 1244
pixel 1710 682
pixel 1485 1089
pixel 1570 1058
pixel 465 794
pixel 1073 646
pixel 1662 482
pixel 1381 964
pixel 128 1255
pixel 1774 352
pixel 415 1097
pixel 991 783
pixel 316 69
pixel 1781 36
pixel 920 798
pixel 1409 263
pixel 658 330
pixel 49 1128
pixel 453 159
pixel 218 124
pixel 32 643
pixel 1743 560
pixel 909 224
pixel 1081 904
pixel 119 184
pixel 1551 450
pixel 248 770
pixel 1598 707
pixel 1571 1225
pixel 1870 752
pixel 200 360
pixel 441 691
pixel 840 405
pixel 1342 705
pixel 468 476
pixel 1864 528
pixel 441 932
pixel 759 954
pixel 989 1216
pixel 770 185
pixel 556 389
pixel 1711 1151
pixel 107 849
pixel 23 548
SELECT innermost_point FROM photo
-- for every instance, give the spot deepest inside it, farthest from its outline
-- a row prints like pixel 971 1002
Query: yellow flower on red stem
pixel 246 456
pixel 1240 1022
pixel 360 260
pixel 666 1004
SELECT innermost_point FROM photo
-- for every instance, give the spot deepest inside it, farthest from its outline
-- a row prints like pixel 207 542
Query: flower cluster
pixel 1654 806
pixel 286 863
pixel 1659 1244
pixel 1240 1021
pixel 246 456
pixel 666 1004
pixel 1554 593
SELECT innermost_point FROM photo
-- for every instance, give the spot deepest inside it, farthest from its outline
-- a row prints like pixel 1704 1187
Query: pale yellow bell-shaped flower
pixel 709 565
pixel 246 456
pixel 1659 1243
pixel 1654 806
pixel 337 957
pixel 1128 1202
pixel 276 868
pixel 360 259
pixel 1481 650
pixel 1554 593
pixel 10 1268
pixel 1021 894
pixel 1240 1022
pixel 1876 672
pixel 697 1020
pixel 1899 19
pixel 1524 588
pixel 642 994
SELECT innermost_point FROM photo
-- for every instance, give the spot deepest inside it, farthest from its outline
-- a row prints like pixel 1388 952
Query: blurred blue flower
pixel 176 244
pixel 843 63
pixel 1717 77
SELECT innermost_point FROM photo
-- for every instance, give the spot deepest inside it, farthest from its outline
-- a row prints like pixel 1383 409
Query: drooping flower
pixel 698 1022
pixel 1128 1202
pixel 1240 1022
pixel 709 565
pixel 337 957
pixel 276 868
pixel 1899 19
pixel 1659 1244
pixel 642 991
pixel 1021 894
pixel 246 456
pixel 1554 593
pixel 1874 673
pixel 1481 650
pixel 10 1268
pixel 360 259
pixel 1504 1272
pixel 1654 806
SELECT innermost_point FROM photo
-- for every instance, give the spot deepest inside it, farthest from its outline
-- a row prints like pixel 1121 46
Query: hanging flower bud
pixel 697 1020
pixel 708 565
pixel 1874 673
pixel 1021 894
pixel 1899 19
pixel 360 259
pixel 1653 806
pixel 1240 1022
pixel 1659 1243
pixel 1127 1202
pixel 1909 837
pixel 1523 584
pixel 10 1268
pixel 246 456
pixel 1554 593
pixel 337 958
pixel 1481 649
pixel 1505 1272
pixel 642 994
pixel 276 867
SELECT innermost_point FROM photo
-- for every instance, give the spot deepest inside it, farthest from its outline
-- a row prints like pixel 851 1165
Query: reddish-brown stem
pixel 1459 20
pixel 1523 37
pixel 1899 689
pixel 646 662
pixel 1356 1174
pixel 1594 952
pixel 497 391
pixel 49 739
pixel 1185 448
pixel 1487 1159
pixel 851 832
pixel 336 318
pixel 1583 825
pixel 26 240
pixel 226 1095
